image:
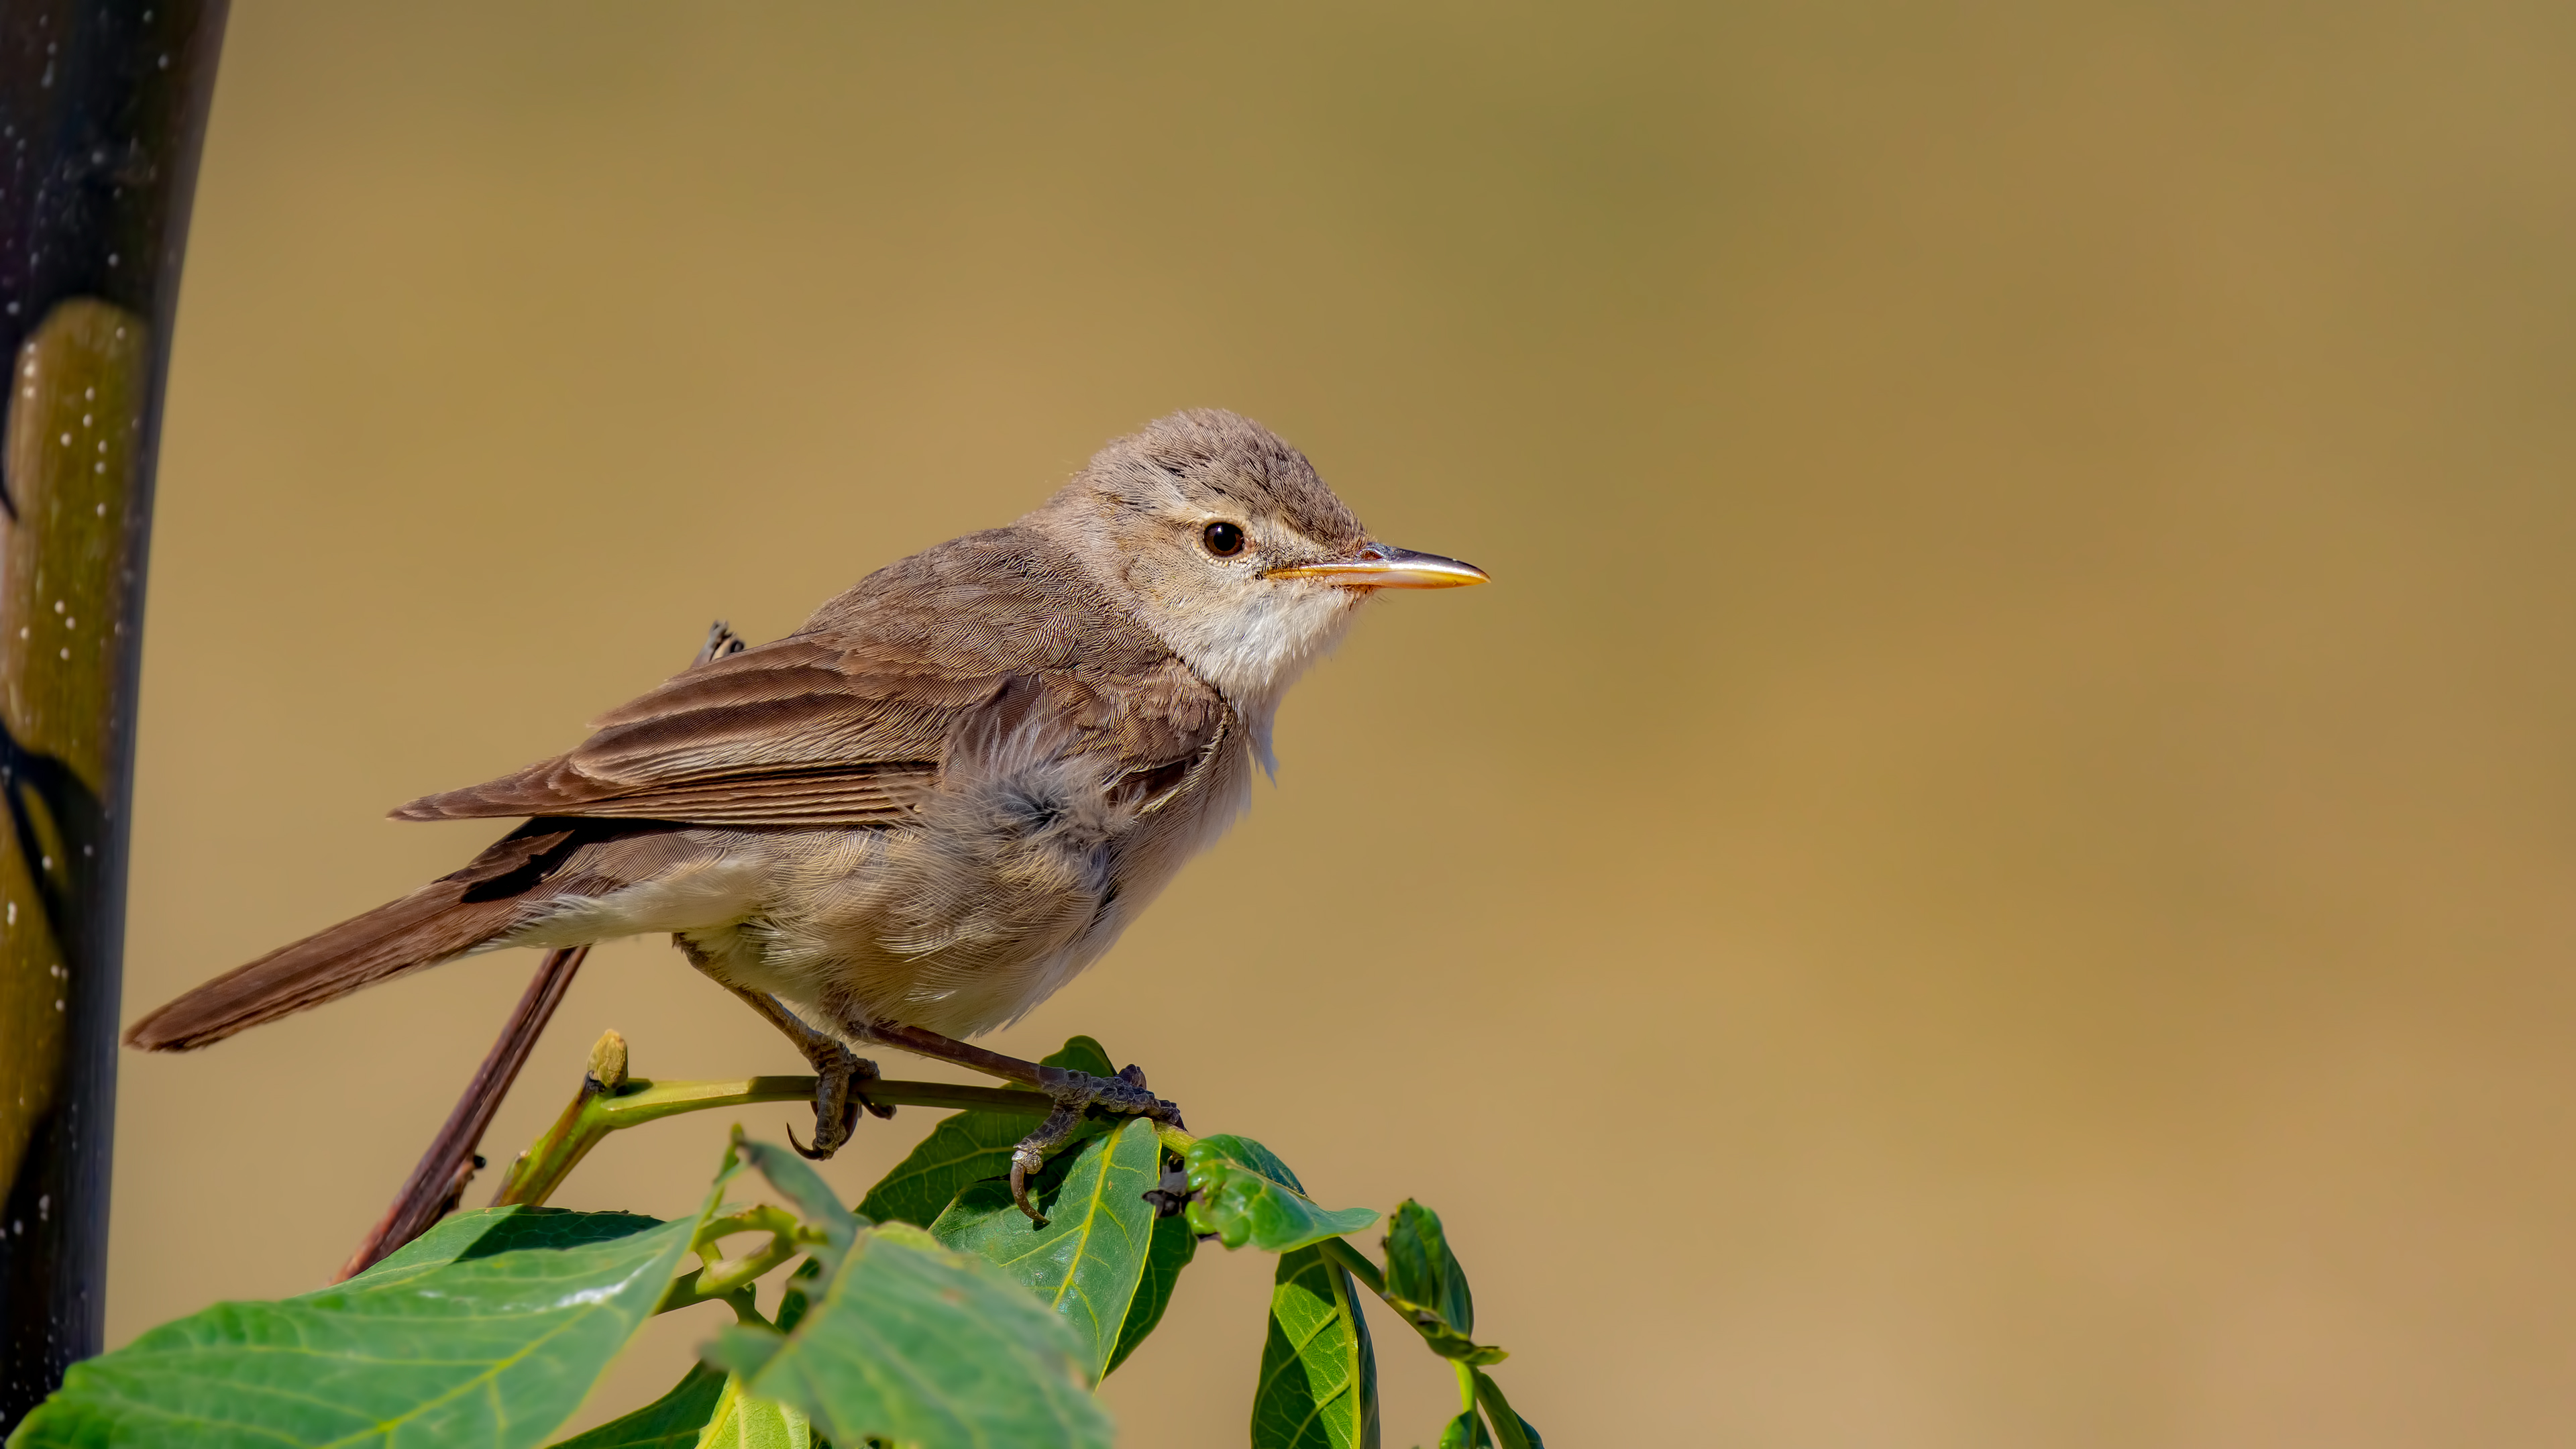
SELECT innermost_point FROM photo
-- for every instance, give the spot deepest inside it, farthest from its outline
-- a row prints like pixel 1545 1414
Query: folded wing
pixel 797 732
pixel 850 722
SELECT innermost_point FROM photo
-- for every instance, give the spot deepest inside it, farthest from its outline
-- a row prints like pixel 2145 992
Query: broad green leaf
pixel 965 1147
pixel 1426 1285
pixel 915 1343
pixel 672 1421
pixel 1318 1385
pixel 796 1299
pixel 1172 1248
pixel 483 1348
pixel 1253 1155
pixel 484 1232
pixel 1086 1262
pixel 745 1421
pixel 968 1147
pixel 1242 1192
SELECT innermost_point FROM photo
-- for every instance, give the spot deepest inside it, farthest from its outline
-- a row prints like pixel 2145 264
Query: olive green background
pixel 1994 868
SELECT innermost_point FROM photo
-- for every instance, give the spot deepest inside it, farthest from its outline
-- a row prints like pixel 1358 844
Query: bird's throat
pixel 1252 654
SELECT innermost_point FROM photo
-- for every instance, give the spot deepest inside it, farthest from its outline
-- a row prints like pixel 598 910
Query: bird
pixel 918 816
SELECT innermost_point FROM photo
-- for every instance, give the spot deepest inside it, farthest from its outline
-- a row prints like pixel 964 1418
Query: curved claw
pixel 1030 1154
pixel 1075 1094
pixel 810 1154
pixel 837 1102
pixel 1024 1162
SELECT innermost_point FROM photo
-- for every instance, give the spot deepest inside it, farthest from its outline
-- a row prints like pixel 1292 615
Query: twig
pixel 1476 1387
pixel 438 1180
pixel 602 1107
pixel 1358 1266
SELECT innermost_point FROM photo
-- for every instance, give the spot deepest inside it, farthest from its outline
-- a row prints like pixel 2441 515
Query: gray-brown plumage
pixel 944 795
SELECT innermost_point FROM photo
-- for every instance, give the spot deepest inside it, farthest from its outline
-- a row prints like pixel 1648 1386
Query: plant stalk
pixel 1352 1259
pixel 1475 1385
pixel 599 1110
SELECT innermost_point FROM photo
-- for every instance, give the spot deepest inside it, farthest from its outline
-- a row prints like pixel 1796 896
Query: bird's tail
pixel 439 922
pixel 422 929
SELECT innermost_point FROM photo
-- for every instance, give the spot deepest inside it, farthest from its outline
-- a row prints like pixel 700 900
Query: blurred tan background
pixel 1994 870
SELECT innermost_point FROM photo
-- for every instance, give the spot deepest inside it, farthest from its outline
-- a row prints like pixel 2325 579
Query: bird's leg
pixel 1075 1094
pixel 840 1074
pixel 837 1069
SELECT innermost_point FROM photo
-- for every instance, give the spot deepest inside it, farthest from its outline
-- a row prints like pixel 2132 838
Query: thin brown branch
pixel 439 1178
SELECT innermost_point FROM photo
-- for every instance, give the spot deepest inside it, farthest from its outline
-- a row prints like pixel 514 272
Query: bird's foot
pixel 1077 1095
pixel 840 1074
pixel 840 1091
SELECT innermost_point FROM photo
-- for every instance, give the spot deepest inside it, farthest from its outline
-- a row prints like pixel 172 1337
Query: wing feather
pixel 850 721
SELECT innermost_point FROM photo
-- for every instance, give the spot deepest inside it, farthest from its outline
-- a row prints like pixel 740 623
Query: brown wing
pixel 850 722
pixel 796 732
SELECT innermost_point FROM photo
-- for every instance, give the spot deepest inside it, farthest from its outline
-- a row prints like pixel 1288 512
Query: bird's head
pixel 1222 540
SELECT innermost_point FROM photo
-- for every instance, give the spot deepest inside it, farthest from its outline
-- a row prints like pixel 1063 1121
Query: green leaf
pixel 969 1147
pixel 1514 1431
pixel 1466 1432
pixel 466 1340
pixel 1080 1054
pixel 1172 1248
pixel 1086 1262
pixel 918 1344
pixel 1318 1385
pixel 797 1298
pixel 672 1421
pixel 1243 1193
pixel 806 1192
pixel 1253 1155
pixel 746 1421
pixel 484 1232
pixel 965 1147
pixel 1426 1285
pixel 1422 1275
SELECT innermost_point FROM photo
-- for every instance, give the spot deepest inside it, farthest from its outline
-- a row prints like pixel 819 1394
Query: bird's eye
pixel 1223 539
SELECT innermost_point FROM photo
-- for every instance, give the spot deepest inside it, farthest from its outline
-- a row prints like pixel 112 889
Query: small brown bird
pixel 918 816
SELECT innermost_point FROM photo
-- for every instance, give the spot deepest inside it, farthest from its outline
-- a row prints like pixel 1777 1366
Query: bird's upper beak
pixel 1382 566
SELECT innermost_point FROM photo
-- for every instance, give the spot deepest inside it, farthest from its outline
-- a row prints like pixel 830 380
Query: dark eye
pixel 1223 539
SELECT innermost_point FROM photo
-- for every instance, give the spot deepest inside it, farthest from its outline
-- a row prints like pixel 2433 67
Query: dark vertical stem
pixel 440 1175
pixel 102 114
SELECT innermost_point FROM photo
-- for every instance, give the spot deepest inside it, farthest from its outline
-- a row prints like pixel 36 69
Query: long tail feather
pixel 439 922
pixel 422 929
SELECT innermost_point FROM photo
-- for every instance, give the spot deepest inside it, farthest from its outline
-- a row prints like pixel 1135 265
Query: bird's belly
pixel 961 927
